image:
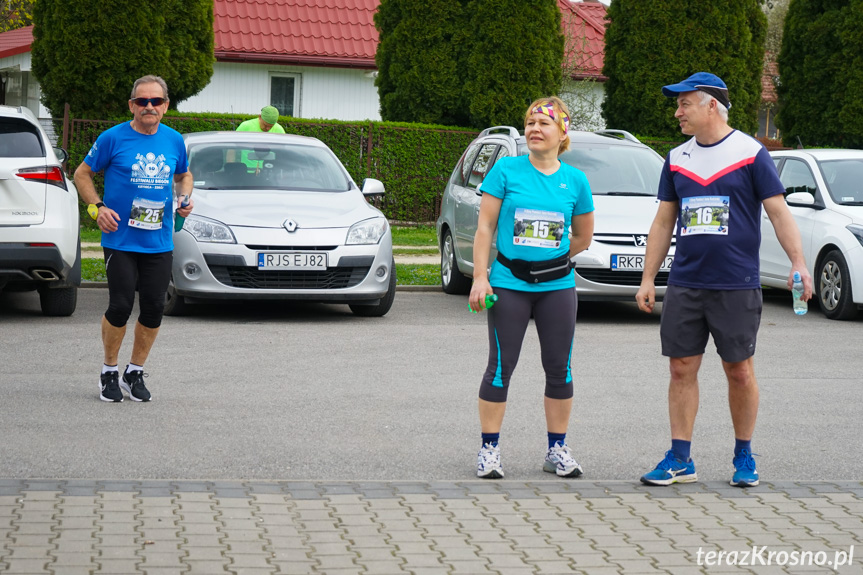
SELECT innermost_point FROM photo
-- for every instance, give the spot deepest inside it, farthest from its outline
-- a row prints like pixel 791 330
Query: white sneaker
pixel 559 460
pixel 488 462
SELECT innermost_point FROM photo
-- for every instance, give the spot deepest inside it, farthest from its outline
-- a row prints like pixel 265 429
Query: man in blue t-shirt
pixel 144 165
pixel 711 193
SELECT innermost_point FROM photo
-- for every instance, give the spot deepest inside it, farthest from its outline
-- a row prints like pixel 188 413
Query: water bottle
pixel 800 306
pixel 178 219
pixel 489 301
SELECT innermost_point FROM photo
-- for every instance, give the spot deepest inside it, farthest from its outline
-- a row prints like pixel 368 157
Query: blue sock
pixel 491 438
pixel 554 438
pixel 681 448
pixel 740 445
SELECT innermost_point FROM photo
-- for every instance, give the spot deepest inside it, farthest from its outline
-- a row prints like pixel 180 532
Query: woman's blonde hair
pixel 561 116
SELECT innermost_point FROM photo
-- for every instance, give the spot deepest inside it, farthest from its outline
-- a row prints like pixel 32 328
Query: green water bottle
pixel 178 219
pixel 489 301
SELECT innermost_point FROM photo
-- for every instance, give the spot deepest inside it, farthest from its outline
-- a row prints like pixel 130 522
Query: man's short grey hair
pixel 705 99
pixel 149 79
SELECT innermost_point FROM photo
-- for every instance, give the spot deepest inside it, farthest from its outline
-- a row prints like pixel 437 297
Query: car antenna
pixel 799 143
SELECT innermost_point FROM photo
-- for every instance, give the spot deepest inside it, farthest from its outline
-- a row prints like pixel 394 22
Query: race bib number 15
pixel 538 228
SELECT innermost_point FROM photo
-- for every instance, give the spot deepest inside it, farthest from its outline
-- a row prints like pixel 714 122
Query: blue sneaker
pixel 671 470
pixel 745 474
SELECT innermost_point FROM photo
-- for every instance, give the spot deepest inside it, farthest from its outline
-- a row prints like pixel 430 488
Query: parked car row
pixel 824 191
pixel 279 217
pixel 624 178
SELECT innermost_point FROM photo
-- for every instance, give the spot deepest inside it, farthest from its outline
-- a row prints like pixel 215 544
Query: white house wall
pixel 329 93
pixel 21 63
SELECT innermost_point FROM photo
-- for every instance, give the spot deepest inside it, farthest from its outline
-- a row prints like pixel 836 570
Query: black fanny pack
pixel 536 272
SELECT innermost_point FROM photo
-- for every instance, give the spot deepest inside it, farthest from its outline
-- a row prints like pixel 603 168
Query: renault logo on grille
pixel 640 241
pixel 290 225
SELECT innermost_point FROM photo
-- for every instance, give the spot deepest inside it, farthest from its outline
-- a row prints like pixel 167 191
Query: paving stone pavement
pixel 428 528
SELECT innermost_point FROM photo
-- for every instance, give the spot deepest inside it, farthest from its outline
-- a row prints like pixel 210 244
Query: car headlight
pixel 207 230
pixel 857 230
pixel 367 232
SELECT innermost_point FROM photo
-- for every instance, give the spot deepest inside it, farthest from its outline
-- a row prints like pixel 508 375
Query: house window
pixel 284 94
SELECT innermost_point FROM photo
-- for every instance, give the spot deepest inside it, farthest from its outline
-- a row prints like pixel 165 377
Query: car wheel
pixel 451 279
pixel 386 302
pixel 59 302
pixel 833 287
pixel 175 304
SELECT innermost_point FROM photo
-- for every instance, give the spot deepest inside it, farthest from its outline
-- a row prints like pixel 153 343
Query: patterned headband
pixel 548 110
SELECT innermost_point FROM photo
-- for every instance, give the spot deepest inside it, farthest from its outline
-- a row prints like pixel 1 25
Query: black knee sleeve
pixel 558 390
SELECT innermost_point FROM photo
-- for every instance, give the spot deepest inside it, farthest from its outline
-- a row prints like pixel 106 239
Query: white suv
pixel 40 246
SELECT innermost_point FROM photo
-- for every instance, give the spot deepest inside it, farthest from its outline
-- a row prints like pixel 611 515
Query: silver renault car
pixel 278 217
pixel 624 179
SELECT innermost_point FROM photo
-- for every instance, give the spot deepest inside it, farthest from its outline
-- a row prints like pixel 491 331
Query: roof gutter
pixel 296 60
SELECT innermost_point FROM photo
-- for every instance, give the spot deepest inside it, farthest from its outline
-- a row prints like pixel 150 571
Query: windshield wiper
pixel 851 203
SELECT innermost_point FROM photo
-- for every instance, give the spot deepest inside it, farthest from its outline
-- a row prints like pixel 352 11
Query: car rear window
pixel 266 166
pixel 19 139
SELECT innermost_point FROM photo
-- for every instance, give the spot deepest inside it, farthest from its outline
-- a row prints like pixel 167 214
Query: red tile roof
pixel 584 27
pixel 16 42
pixel 313 32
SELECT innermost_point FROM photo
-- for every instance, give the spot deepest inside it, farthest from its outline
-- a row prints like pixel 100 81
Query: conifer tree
pixel 89 54
pixel 821 81
pixel 652 44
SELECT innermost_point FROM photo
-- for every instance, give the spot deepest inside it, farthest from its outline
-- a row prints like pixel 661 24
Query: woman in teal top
pixel 542 212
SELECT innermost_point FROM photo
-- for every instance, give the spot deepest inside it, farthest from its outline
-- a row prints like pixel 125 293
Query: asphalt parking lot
pixel 305 391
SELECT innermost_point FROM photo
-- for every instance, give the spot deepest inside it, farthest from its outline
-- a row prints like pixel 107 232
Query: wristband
pixel 93 209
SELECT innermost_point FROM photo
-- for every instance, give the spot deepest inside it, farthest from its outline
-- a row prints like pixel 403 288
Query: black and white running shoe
pixel 133 384
pixel 109 388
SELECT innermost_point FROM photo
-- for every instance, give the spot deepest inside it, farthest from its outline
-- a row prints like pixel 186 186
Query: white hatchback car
pixel 278 217
pixel 824 191
pixel 624 179
pixel 40 247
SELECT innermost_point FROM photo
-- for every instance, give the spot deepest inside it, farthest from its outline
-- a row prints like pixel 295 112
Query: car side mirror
pixel 373 187
pixel 800 199
pixel 478 191
pixel 61 154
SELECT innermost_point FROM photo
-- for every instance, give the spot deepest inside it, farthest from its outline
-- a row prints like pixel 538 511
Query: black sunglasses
pixel 144 101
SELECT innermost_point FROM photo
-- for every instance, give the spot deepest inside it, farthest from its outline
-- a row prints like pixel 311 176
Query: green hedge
pixel 414 161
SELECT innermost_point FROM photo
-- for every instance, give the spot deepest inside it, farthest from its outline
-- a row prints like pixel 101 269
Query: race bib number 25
pixel 147 214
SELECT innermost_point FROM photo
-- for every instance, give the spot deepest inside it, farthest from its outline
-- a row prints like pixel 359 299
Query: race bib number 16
pixel 704 215
pixel 538 228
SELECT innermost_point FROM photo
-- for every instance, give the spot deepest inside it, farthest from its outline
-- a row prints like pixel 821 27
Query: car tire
pixel 386 302
pixel 58 302
pixel 833 287
pixel 175 304
pixel 451 279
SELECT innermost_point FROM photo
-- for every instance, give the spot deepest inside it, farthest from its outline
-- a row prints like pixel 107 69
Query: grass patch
pixel 415 251
pixel 93 270
pixel 418 274
pixel 414 236
pixel 91 236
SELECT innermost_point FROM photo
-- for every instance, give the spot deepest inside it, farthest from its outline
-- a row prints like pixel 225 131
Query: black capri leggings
pixel 149 274
pixel 554 315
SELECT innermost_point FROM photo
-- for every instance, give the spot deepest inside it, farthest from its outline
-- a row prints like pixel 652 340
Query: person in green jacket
pixel 268 121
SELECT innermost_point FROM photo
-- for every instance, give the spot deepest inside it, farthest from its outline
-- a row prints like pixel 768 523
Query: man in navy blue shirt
pixel 711 192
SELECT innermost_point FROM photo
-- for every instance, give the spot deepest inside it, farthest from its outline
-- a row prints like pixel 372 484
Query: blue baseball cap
pixel 704 81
